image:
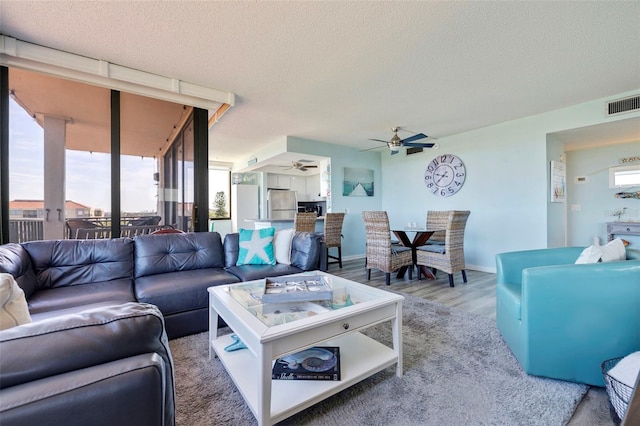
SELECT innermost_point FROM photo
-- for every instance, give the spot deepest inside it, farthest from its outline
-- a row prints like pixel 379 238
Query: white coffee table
pixel 270 335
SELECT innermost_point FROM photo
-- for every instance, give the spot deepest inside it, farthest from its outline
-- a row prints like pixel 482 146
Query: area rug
pixel 457 371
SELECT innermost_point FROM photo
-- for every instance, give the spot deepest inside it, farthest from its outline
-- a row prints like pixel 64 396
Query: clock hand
pixel 441 177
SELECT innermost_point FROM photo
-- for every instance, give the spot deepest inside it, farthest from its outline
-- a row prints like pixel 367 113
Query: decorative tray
pixel 296 289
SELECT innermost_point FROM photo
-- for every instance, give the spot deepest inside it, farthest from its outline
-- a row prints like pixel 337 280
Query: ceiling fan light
pixel 394 148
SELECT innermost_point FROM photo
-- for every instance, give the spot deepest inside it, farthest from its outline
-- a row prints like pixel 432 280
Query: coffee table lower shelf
pixel 360 357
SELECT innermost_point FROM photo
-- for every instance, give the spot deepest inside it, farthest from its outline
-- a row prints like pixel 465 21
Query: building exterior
pixel 34 209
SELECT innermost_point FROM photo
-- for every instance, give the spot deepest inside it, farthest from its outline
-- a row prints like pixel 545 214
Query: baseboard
pixel 353 257
pixel 489 269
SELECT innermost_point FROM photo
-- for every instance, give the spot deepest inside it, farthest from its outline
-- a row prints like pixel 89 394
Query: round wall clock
pixel 445 175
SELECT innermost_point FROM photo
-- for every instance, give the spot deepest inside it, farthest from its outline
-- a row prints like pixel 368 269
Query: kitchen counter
pixel 282 223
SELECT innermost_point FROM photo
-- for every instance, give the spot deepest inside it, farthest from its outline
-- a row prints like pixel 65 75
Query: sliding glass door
pixel 65 174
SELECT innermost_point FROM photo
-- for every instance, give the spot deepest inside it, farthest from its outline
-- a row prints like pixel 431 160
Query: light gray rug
pixel 457 371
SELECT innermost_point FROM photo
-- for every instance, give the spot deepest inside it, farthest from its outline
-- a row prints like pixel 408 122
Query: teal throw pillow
pixel 256 247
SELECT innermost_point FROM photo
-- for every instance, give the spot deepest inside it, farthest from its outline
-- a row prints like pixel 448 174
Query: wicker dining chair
pixel 450 256
pixel 437 219
pixel 333 235
pixel 380 254
pixel 305 222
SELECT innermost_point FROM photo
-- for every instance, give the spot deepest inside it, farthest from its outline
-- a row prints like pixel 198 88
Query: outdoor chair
pixel 305 222
pixel 380 254
pixel 447 257
pixel 333 235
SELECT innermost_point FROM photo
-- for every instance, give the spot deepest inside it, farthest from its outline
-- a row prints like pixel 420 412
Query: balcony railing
pixel 22 230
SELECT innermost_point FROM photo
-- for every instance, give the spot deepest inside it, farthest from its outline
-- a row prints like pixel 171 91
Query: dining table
pixel 420 238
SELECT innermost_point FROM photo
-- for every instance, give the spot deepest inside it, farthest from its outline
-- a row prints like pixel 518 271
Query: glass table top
pixel 344 293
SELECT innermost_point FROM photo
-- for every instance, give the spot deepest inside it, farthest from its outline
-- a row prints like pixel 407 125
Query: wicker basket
pixel 619 393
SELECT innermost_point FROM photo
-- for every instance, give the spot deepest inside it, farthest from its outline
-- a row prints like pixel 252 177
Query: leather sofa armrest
pixel 93 337
pixel 127 391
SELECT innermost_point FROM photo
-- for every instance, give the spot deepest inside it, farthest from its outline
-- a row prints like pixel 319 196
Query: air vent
pixel 414 150
pixel 623 105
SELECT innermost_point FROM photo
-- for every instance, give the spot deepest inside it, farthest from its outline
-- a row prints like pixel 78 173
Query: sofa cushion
pixel 433 248
pixel 282 240
pixel 13 305
pixel 591 254
pixel 256 247
pixel 256 272
pixel 305 250
pixel 53 299
pixel 61 263
pixel 174 292
pixel 164 253
pixel 15 260
pixel 613 251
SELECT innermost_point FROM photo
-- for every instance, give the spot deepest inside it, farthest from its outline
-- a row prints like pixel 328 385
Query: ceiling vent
pixel 414 150
pixel 623 105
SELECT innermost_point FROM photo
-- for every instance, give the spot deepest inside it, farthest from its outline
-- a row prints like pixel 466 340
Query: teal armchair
pixel 561 320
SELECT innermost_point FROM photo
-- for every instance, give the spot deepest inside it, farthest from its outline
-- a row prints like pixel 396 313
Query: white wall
pixel 595 200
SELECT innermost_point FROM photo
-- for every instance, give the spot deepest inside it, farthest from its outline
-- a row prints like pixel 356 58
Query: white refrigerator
pixel 245 200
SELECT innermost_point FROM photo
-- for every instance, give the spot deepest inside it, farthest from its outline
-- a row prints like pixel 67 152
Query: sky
pixel 87 176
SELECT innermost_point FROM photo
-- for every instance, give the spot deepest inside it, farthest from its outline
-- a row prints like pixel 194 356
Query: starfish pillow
pixel 256 247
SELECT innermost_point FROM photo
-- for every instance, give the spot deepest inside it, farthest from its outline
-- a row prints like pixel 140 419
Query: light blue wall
pixel 595 199
pixel 506 190
pixel 341 157
pixel 507 187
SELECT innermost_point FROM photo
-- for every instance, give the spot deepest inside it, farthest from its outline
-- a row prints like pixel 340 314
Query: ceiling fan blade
pixel 379 140
pixel 394 152
pixel 420 145
pixel 414 138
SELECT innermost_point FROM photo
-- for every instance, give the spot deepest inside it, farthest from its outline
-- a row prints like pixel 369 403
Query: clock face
pixel 444 175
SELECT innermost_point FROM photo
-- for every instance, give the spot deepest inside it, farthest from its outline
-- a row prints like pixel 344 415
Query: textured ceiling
pixel 344 72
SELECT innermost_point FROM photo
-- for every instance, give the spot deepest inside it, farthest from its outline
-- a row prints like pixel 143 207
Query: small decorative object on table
pixel 298 288
pixel 619 377
pixel 316 363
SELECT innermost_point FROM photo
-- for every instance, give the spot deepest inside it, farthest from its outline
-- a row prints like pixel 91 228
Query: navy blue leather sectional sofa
pixel 110 307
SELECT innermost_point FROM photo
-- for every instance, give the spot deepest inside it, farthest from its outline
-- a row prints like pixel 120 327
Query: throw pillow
pixel 13 305
pixel 614 251
pixel 591 254
pixel 256 247
pixel 282 245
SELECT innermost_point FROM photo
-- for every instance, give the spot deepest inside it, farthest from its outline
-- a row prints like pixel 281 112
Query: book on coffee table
pixel 316 363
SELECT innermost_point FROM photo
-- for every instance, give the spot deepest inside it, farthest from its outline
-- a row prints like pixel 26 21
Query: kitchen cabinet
pixel 278 181
pixel 313 188
pixel 299 184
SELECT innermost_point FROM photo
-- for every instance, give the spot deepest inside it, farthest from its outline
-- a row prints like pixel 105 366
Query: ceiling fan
pixel 396 143
pixel 300 165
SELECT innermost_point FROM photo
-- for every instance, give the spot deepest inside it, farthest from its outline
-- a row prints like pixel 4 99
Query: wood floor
pixel 478 295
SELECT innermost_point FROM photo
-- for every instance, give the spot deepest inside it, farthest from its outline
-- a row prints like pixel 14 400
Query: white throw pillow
pixel 627 369
pixel 282 245
pixel 591 254
pixel 13 305
pixel 614 251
